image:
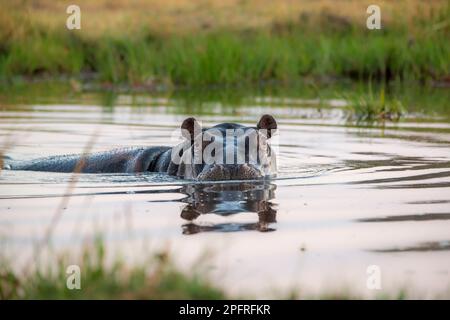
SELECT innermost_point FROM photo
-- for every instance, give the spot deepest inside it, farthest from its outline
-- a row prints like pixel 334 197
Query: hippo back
pixel 124 160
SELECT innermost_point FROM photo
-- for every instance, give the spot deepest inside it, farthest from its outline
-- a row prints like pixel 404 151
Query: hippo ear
pixel 267 123
pixel 190 128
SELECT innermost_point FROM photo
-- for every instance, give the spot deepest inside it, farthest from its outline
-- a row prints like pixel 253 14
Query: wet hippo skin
pixel 124 160
pixel 159 158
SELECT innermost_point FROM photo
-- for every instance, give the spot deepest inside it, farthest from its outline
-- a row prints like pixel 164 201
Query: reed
pixel 374 107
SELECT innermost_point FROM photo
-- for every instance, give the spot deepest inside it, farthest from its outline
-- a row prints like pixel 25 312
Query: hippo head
pixel 227 151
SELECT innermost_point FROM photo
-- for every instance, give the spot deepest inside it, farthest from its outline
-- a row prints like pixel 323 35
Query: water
pixel 346 196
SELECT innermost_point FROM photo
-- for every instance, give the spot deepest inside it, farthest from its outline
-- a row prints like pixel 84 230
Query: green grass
pixel 370 107
pixel 283 53
pixel 158 279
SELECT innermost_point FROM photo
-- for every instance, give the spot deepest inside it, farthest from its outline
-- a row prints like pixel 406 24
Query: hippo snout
pixel 230 172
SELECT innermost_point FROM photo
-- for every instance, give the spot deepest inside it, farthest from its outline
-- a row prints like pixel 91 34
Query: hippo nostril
pixel 246 171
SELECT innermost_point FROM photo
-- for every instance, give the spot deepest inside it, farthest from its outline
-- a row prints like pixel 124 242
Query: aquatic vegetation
pixel 371 107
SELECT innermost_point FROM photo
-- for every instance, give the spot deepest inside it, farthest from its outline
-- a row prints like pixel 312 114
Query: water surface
pixel 346 197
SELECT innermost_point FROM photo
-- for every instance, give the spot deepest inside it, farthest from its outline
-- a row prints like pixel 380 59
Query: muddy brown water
pixel 346 197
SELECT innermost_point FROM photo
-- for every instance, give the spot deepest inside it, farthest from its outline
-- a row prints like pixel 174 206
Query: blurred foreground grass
pixel 179 42
pixel 158 279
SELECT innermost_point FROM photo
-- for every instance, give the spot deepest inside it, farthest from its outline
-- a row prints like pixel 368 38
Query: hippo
pixel 226 199
pixel 227 151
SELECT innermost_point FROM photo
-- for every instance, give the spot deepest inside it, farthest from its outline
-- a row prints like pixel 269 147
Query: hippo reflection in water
pixel 227 199
pixel 226 151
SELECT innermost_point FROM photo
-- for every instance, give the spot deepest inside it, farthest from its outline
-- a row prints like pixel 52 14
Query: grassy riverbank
pixel 182 45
